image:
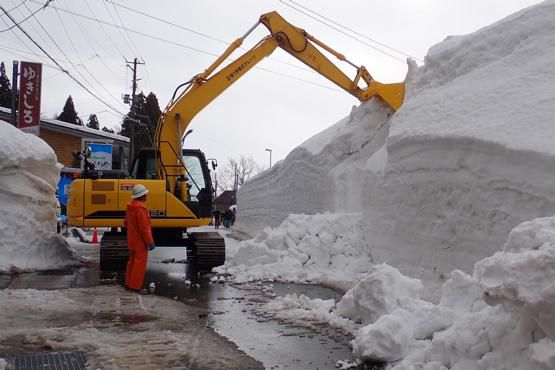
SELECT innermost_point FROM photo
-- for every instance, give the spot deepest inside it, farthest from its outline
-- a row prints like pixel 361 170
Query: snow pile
pixel 28 178
pixel 319 248
pixel 323 174
pixel 503 314
pixel 502 317
pixel 471 150
pixel 377 294
pixel 467 157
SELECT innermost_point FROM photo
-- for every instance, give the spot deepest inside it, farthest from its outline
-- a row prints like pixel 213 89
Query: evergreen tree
pixel 108 130
pixel 5 88
pixel 145 117
pixel 93 122
pixel 69 114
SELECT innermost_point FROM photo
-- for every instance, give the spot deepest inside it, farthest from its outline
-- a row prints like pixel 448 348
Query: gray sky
pixel 277 106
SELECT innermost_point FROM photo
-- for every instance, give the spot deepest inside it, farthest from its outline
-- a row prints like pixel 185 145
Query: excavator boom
pixel 205 87
pixel 179 183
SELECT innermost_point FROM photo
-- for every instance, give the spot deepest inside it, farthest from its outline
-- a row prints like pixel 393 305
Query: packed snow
pixel 321 248
pixel 431 193
pixel 441 182
pixel 28 177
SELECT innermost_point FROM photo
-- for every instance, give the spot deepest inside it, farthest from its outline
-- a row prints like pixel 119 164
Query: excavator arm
pixel 205 87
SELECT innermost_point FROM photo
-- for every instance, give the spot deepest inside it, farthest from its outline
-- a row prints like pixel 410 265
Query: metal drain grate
pixel 50 361
pixel 56 272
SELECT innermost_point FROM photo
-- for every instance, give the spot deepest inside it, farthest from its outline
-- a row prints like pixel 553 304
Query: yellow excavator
pixel 178 179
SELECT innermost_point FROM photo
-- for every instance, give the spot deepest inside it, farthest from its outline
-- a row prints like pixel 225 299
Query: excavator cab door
pixel 197 175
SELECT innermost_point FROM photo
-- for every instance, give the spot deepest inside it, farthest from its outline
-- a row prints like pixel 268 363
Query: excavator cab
pixel 199 198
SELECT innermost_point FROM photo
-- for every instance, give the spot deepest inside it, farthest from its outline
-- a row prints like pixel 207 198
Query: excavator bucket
pixel 392 94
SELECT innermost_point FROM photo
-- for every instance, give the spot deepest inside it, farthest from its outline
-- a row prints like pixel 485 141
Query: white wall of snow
pixel 323 174
pixel 467 157
pixel 28 179
pixel 471 151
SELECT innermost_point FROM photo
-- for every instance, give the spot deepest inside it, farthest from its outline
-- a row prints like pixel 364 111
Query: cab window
pixel 195 176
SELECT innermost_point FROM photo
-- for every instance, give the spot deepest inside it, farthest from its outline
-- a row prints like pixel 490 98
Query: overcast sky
pixel 277 106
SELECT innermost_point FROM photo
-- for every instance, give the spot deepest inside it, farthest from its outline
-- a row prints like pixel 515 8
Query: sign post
pixel 29 97
pixel 101 156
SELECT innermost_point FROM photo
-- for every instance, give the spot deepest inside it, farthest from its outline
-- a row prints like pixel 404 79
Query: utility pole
pixel 236 179
pixel 135 62
pixel 14 90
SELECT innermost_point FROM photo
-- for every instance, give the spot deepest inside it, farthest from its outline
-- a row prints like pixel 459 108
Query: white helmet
pixel 138 191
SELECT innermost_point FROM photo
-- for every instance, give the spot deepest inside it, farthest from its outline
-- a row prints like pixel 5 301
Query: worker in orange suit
pixel 139 238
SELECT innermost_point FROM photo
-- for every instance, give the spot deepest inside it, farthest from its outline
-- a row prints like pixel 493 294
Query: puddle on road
pixel 116 319
pixel 278 345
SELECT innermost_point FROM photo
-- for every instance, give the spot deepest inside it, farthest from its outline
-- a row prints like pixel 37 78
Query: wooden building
pixel 65 138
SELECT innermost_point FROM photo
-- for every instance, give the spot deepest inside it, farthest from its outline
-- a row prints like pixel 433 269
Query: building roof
pixel 70 128
pixel 225 200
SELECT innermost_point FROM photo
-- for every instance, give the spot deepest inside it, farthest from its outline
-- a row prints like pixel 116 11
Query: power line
pixel 32 25
pixel 81 60
pixel 49 36
pixel 355 32
pixel 32 15
pixel 168 22
pixel 344 33
pixel 83 33
pixel 59 66
pixel 135 47
pixel 15 7
pixel 114 24
pixel 181 45
pixel 103 29
pixel 19 51
pixel 199 33
pixel 16 35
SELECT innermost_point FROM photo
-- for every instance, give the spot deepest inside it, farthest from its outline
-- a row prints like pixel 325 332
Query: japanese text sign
pixel 101 156
pixel 29 95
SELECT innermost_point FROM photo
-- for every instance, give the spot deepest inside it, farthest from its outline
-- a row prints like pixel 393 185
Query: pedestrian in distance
pixel 139 238
pixel 227 219
pixel 217 219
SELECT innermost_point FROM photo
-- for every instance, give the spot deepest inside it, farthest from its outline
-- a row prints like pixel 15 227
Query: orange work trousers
pixel 136 267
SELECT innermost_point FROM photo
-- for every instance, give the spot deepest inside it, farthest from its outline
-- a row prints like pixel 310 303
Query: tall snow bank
pixel 28 178
pixel 323 174
pixel 468 156
pixel 321 248
pixel 470 153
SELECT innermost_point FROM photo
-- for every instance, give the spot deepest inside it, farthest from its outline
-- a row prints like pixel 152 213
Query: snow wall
pixel 28 176
pixel 468 157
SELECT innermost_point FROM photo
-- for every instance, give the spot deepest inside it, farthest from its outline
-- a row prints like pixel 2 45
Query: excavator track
pixel 205 250
pixel 113 252
pixel 208 250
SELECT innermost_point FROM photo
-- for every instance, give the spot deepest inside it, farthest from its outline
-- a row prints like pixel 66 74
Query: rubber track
pixel 209 249
pixel 113 252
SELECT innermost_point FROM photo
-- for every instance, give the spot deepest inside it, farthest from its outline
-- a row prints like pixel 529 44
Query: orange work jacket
pixel 137 221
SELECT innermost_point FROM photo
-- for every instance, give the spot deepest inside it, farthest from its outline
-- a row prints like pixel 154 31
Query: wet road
pixel 276 344
pixel 234 310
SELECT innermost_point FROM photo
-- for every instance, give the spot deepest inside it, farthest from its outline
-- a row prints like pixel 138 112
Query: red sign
pixel 29 96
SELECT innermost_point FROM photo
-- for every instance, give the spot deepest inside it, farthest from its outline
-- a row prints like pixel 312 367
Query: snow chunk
pixel 28 178
pixel 304 248
pixel 501 317
pixel 377 294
